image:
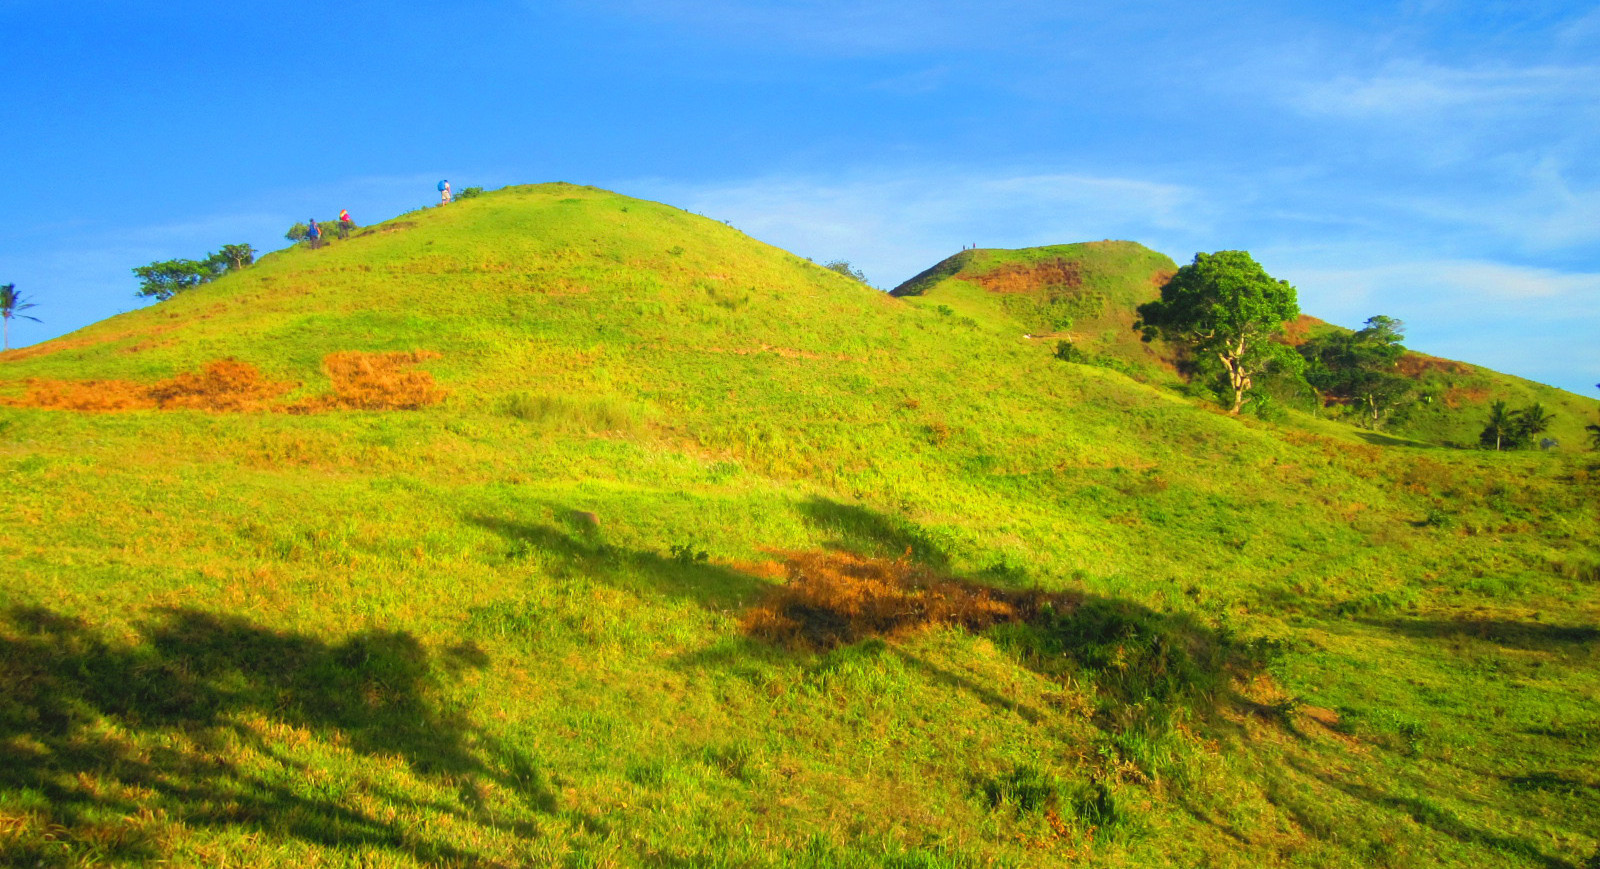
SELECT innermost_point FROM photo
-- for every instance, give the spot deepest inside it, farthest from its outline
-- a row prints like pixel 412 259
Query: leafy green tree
pixel 236 256
pixel 163 280
pixel 298 232
pixel 11 307
pixel 843 267
pixel 1358 368
pixel 1224 305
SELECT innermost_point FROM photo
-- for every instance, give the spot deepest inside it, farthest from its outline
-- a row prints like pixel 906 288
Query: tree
pixel 1594 430
pixel 1358 368
pixel 1225 305
pixel 12 306
pixel 298 232
pixel 1508 429
pixel 1532 421
pixel 163 280
pixel 1501 430
pixel 237 256
pixel 843 267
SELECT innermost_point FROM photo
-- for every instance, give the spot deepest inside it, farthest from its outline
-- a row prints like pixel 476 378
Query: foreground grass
pixel 510 628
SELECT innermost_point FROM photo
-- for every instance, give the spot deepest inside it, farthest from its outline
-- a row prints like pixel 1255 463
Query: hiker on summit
pixel 444 192
pixel 314 233
pixel 345 223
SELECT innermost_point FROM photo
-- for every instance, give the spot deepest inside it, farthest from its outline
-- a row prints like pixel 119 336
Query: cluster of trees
pixel 163 280
pixel 1509 429
pixel 843 267
pixel 1357 369
pixel 11 306
pixel 1227 310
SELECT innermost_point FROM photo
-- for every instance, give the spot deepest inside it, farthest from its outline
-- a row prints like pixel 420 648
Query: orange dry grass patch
pixel 225 385
pixel 1019 278
pixel 1298 330
pixel 1456 396
pixel 376 381
pixel 1417 364
pixel 834 598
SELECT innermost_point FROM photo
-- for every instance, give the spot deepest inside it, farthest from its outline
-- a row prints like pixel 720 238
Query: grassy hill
pixel 1087 294
pixel 556 527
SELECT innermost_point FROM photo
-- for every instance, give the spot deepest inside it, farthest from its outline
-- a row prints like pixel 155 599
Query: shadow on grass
pixel 858 529
pixel 1428 813
pixel 189 724
pixel 1383 440
pixel 1527 636
pixel 582 546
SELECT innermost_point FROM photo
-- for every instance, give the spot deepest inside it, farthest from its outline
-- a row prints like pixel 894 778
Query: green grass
pixel 469 635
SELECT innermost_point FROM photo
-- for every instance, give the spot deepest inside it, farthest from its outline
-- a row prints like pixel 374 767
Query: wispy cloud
pixel 1417 91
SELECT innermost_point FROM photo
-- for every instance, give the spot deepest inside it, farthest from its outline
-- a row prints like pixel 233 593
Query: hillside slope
pixel 556 527
pixel 1088 294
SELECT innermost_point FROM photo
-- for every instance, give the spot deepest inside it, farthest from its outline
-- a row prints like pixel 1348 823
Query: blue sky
pixel 1435 161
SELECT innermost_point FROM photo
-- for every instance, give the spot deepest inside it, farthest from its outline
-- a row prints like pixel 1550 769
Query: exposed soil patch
pixel 1019 278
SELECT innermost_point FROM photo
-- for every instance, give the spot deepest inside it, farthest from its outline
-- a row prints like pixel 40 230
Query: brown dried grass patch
pixel 376 381
pixel 223 386
pixel 1298 330
pixel 1418 364
pixel 1456 396
pixel 831 599
pixel 1020 278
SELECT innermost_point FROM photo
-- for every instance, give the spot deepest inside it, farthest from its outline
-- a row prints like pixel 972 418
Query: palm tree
pixel 1502 425
pixel 1533 421
pixel 12 305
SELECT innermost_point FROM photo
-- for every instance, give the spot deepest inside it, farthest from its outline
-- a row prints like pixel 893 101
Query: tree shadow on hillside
pixel 1149 672
pixel 1383 440
pixel 1427 813
pixel 1510 633
pixel 858 529
pixel 196 720
pixel 684 575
